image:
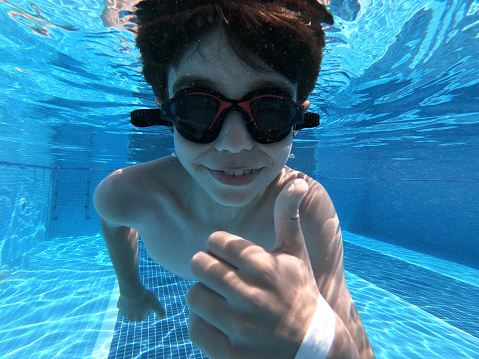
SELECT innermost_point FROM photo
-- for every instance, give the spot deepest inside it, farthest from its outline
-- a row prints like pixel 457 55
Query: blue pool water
pixel 398 151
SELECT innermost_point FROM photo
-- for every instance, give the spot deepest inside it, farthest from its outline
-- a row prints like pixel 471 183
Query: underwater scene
pixel 397 150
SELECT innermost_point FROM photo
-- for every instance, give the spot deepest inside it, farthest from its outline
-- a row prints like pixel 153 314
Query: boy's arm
pixel 135 300
pixel 114 200
pixel 122 244
pixel 327 340
pixel 325 247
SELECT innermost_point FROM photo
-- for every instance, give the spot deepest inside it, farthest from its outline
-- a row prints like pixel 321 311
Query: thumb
pixel 289 238
pixel 160 312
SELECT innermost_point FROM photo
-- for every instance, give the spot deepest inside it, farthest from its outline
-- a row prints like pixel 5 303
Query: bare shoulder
pixel 322 234
pixel 315 188
pixel 316 207
pixel 321 229
pixel 126 195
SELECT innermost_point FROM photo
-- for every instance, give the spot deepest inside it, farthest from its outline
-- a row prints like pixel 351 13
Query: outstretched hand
pixel 137 307
pixel 250 302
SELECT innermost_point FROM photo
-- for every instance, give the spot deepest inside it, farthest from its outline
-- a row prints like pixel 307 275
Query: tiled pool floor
pixel 61 303
pixel 56 304
pixel 167 338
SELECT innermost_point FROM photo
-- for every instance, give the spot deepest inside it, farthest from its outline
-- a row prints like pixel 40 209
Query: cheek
pixel 183 145
pixel 280 151
pixel 188 152
pixel 183 148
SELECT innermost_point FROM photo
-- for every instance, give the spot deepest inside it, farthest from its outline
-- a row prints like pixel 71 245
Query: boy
pixel 232 80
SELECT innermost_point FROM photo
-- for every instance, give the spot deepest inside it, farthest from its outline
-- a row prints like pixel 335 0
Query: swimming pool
pixel 397 151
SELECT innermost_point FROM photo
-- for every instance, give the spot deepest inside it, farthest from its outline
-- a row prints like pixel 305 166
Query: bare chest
pixel 172 240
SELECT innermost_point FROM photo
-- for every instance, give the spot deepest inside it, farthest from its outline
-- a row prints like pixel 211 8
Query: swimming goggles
pixel 198 114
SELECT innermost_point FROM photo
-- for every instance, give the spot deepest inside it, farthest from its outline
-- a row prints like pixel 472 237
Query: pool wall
pixel 419 196
pixel 72 213
pixel 24 214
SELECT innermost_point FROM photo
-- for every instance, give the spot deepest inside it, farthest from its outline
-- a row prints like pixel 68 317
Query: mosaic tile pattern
pixel 446 298
pixel 398 329
pixel 55 304
pixel 23 214
pixel 63 299
pixel 447 268
pixel 396 325
pixel 153 338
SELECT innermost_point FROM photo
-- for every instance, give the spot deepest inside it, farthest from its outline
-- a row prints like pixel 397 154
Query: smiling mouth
pixel 238 173
pixel 236 177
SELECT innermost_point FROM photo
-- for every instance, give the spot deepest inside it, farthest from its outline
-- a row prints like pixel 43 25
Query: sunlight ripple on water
pixel 397 67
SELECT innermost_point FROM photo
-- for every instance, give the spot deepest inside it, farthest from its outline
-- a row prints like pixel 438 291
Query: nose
pixel 234 136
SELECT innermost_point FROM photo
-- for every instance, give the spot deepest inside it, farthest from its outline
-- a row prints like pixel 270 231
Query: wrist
pixel 320 335
pixel 132 290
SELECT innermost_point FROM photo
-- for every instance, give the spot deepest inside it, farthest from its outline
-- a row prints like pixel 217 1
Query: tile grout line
pixel 404 304
pixel 411 257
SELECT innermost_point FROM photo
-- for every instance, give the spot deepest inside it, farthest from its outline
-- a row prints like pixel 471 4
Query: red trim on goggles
pixel 198 114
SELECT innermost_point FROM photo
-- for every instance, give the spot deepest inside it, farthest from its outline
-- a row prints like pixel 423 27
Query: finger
pixel 210 306
pixel 128 313
pixel 216 275
pixel 232 249
pixel 289 237
pixel 132 316
pixel 210 340
pixel 160 311
pixel 155 305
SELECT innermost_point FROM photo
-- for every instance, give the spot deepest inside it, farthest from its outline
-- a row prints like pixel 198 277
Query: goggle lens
pixel 194 115
pixel 198 114
pixel 275 117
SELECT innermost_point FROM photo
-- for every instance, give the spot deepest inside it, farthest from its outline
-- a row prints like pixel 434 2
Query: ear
pixel 306 105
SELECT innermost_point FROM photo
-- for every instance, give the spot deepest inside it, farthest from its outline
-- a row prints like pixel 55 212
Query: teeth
pixel 237 173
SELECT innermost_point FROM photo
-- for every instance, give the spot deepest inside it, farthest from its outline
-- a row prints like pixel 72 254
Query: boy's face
pixel 233 169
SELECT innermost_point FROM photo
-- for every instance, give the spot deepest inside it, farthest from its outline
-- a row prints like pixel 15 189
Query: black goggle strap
pixel 311 120
pixel 148 117
pixel 154 117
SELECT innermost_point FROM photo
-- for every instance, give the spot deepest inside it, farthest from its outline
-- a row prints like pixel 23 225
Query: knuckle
pixel 266 271
pixel 269 271
pixel 196 259
pixel 217 238
pixel 255 298
pixel 244 329
pixel 197 263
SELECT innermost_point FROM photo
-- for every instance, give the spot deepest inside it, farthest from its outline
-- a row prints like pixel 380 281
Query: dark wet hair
pixel 286 34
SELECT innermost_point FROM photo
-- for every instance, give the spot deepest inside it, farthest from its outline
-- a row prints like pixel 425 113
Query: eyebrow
pixel 192 81
pixel 280 85
pixel 196 81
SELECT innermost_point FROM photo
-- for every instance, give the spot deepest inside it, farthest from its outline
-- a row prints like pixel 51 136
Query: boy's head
pixel 285 34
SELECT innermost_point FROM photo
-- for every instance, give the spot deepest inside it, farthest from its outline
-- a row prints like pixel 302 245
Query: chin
pixel 232 199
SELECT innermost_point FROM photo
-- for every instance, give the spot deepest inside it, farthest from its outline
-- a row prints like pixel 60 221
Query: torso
pixel 173 238
pixel 155 199
pixel 173 227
